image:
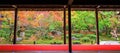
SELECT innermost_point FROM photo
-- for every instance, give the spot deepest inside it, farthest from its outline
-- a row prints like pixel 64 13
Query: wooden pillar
pixel 64 12
pixel 15 24
pixel 97 24
pixel 69 26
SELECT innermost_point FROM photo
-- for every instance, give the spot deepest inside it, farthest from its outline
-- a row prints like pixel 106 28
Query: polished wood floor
pixel 63 52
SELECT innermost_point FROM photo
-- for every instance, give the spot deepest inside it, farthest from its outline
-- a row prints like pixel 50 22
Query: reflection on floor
pixel 63 52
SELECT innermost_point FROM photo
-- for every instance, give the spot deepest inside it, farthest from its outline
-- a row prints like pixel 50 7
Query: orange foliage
pixel 7 16
pixel 57 15
pixel 37 16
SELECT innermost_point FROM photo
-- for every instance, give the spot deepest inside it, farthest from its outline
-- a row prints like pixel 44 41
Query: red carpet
pixel 57 47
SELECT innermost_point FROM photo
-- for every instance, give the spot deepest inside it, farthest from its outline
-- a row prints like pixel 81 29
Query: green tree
pixel 83 20
pixel 104 21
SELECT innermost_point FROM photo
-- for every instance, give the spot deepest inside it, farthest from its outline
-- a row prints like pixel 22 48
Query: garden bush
pixel 46 37
pixel 56 42
pixel 28 34
pixel 85 39
pixel 77 35
pixel 76 42
pixel 92 36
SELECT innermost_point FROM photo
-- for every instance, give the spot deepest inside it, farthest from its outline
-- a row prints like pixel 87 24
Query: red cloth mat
pixel 58 47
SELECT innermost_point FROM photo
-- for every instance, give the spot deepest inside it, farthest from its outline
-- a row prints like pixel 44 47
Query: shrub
pixel 77 35
pixel 92 36
pixel 28 34
pixel 76 42
pixel 109 35
pixel 85 39
pixel 46 37
pixel 4 34
pixel 57 42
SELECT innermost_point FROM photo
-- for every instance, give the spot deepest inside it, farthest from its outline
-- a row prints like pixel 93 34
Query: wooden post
pixel 64 24
pixel 15 25
pixel 69 26
pixel 97 24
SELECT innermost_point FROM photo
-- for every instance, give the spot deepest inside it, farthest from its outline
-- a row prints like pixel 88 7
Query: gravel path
pixel 109 43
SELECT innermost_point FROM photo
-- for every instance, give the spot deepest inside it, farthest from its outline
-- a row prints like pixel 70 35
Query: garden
pixel 46 27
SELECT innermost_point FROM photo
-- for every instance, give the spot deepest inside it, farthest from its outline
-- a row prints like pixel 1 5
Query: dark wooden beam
pixel 15 25
pixel 70 2
pixel 40 6
pixel 64 12
pixel 96 2
pixel 32 6
pixel 97 24
pixel 61 6
pixel 31 2
pixel 93 9
pixel 7 9
pixel 60 9
pixel 94 6
pixel 40 9
pixel 69 27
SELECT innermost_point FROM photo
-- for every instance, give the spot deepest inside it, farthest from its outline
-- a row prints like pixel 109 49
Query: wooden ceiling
pixel 61 2
pixel 111 4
